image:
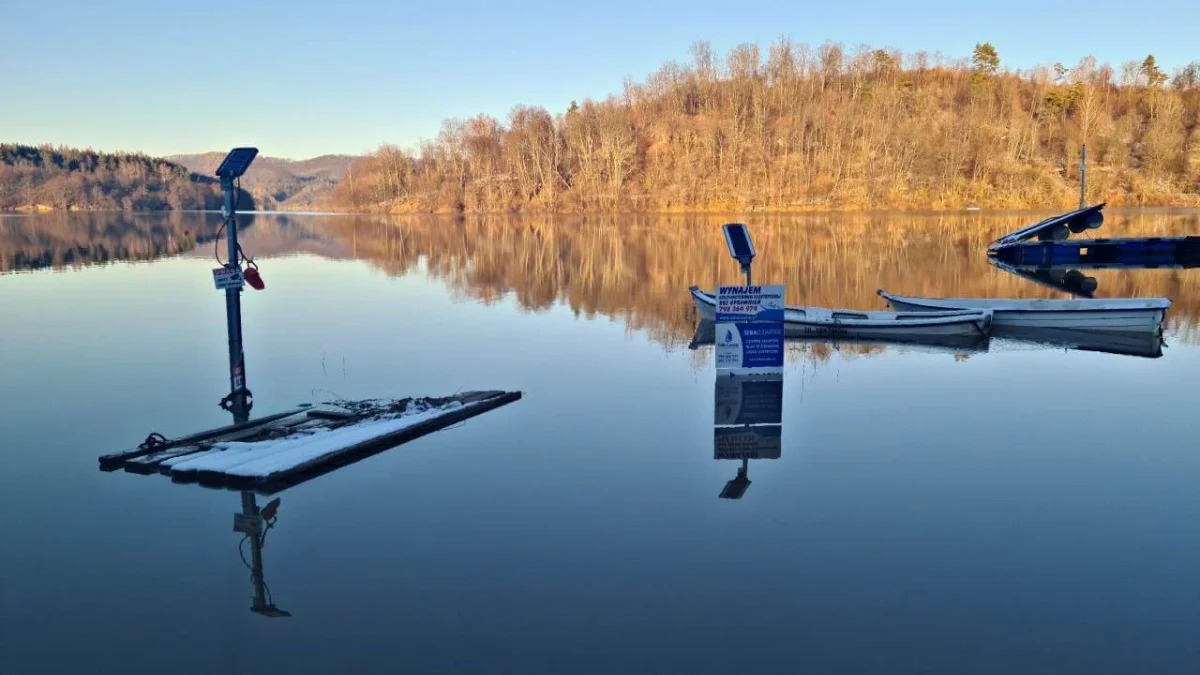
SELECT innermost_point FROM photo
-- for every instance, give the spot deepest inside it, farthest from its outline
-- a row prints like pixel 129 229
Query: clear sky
pixel 299 78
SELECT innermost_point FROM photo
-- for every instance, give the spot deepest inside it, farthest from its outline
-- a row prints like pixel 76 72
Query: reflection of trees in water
pixel 73 239
pixel 59 240
pixel 637 268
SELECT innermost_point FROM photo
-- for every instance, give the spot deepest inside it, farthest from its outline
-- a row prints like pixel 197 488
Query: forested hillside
pixel 797 128
pixel 49 178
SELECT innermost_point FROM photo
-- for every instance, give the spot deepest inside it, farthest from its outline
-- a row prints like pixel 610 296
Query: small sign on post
pixel 749 329
pixel 225 278
pixel 248 524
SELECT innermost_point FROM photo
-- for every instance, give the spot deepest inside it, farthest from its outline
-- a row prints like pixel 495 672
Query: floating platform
pixel 1102 253
pixel 1057 227
pixel 1048 244
pixel 281 450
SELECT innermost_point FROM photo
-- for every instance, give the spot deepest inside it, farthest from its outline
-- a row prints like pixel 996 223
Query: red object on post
pixel 252 277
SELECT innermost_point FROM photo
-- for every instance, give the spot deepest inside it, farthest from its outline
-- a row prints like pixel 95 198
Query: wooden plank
pixel 153 462
pixel 484 402
pixel 331 415
pixel 114 460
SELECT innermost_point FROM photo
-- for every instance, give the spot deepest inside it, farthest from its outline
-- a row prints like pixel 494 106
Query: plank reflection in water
pixel 747 424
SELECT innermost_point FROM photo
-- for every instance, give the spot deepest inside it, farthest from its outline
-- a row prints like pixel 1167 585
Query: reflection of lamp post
pixel 737 487
pixel 251 522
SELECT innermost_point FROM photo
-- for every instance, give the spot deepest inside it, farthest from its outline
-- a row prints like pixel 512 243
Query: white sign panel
pixel 228 277
pixel 749 303
pixel 246 523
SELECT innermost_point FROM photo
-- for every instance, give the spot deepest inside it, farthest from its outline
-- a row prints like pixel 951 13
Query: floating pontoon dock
pixel 1048 244
pixel 278 451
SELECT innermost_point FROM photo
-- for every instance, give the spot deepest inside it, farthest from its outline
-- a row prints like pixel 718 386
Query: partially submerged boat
pixel 852 323
pixel 1116 315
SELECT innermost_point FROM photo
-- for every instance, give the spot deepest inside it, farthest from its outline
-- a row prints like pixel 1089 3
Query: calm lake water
pixel 1014 509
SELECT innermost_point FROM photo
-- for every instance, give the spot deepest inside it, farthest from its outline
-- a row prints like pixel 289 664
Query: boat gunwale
pixel 1090 304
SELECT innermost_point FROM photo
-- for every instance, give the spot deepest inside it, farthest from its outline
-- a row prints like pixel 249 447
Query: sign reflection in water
pixel 747 424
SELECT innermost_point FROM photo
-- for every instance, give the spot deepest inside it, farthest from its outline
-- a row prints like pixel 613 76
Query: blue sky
pixel 299 78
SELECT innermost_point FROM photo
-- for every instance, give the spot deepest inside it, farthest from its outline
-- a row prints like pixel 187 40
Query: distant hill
pixel 45 178
pixel 279 183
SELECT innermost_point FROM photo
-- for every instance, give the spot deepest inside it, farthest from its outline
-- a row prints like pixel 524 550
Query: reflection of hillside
pixel 73 239
pixel 279 235
pixel 637 268
pixel 59 240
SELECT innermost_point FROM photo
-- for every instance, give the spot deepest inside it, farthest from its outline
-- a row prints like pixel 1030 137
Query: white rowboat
pixel 1117 315
pixel 705 333
pixel 853 323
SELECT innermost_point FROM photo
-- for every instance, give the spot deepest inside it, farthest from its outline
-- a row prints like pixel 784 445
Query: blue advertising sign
pixel 750 347
pixel 749 329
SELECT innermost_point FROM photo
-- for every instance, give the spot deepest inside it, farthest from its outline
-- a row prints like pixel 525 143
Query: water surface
pixel 1015 509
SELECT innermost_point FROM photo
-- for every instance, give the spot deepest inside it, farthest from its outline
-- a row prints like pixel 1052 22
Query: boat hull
pixel 705 334
pixel 1121 316
pixel 816 322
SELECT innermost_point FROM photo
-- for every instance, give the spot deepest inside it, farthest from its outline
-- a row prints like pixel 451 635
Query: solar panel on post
pixel 737 236
pixel 236 162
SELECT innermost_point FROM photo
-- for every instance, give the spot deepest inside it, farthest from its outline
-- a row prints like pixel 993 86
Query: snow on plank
pixel 303 444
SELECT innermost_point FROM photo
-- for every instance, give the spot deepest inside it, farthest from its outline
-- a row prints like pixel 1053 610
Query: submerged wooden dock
pixel 281 450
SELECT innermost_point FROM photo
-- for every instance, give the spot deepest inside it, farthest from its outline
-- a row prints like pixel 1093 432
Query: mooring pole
pixel 239 400
pixel 1082 175
pixel 239 403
